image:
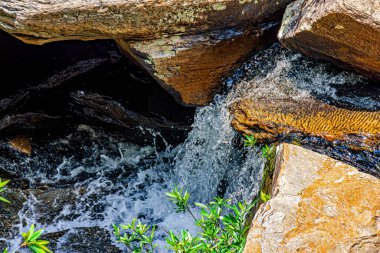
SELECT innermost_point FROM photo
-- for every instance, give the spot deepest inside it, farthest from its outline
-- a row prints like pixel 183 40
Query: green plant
pixel 2 188
pixel 266 151
pixel 30 241
pixel 137 237
pixel 222 226
pixel 264 197
pixel 249 141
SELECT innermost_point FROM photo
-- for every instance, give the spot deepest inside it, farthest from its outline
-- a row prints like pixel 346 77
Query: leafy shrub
pixel 32 242
pixel 222 226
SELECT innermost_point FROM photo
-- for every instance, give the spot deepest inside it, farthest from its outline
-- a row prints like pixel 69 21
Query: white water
pixel 116 181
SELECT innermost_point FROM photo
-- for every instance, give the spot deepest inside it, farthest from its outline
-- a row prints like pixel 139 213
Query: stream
pixel 77 183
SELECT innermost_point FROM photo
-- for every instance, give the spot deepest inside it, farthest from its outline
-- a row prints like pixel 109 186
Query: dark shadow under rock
pixel 39 99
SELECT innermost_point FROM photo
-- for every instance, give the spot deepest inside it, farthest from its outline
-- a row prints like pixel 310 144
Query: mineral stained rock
pixel 318 204
pixel 345 32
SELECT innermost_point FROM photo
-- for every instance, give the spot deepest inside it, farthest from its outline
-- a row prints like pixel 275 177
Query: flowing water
pixel 93 178
pixel 103 180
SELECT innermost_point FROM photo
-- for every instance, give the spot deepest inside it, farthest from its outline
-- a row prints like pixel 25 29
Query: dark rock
pixel 94 108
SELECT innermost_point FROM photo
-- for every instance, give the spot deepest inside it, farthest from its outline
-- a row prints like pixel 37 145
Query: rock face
pixel 318 205
pixel 346 32
pixel 38 21
pixel 188 46
pixel 191 67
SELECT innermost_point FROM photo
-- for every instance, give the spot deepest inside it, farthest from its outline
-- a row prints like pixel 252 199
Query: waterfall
pixel 95 178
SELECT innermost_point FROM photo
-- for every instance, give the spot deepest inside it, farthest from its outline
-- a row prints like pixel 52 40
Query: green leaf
pixel 3 183
pixel 201 205
pixel 30 233
pixel 264 197
pixel 5 250
pixel 36 235
pixel 4 200
pixel 36 249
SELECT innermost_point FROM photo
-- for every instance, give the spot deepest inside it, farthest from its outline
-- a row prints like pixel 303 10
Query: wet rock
pixel 22 144
pixel 272 119
pixel 191 67
pixel 83 240
pixel 19 123
pixel 318 204
pixel 39 22
pixel 9 213
pixel 345 32
pixel 100 109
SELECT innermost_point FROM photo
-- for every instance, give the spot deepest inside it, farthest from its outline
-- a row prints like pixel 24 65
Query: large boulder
pixel 318 204
pixel 345 32
pixel 37 21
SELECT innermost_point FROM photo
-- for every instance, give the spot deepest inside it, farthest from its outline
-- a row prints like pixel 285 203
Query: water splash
pixel 94 178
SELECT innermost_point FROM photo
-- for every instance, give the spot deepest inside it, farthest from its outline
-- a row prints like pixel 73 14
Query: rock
pixel 22 144
pixel 191 67
pixel 345 32
pixel 274 119
pixel 216 35
pixel 39 22
pixel 318 204
pixel 101 110
pixel 9 213
pixel 282 96
pixel 91 240
pixel 16 123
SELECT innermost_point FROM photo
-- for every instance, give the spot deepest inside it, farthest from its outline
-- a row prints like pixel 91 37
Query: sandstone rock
pixel 318 204
pixel 39 21
pixel 346 32
pixel 191 67
pixel 274 119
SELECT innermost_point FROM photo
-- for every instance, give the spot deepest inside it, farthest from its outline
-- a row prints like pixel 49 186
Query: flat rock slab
pixel 37 22
pixel 191 67
pixel 318 204
pixel 346 32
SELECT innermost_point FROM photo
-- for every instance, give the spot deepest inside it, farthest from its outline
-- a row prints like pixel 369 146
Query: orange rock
pixel 22 144
pixel 345 32
pixel 318 205
pixel 191 67
pixel 38 22
pixel 270 119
